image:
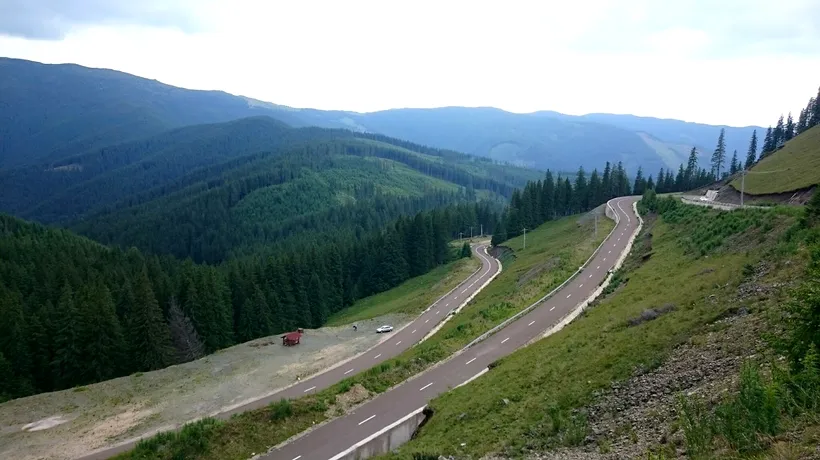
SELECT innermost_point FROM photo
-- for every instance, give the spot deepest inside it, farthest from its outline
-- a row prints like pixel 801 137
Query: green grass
pixel 554 251
pixel 794 167
pixel 410 297
pixel 549 381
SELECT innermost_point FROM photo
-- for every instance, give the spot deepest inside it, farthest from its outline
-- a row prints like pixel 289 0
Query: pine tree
pixel 768 143
pixel 580 197
pixel 13 339
pixel 778 134
pixel 499 234
pixel 8 381
pixel 650 184
pixel 680 179
pixel 183 334
pixel 719 157
pixel 751 154
pixel 802 122
pixel 101 336
pixel 788 132
pixel 815 111
pixel 660 184
pixel 152 340
pixel 691 168
pixel 594 192
pixel 547 198
pixel 606 183
pixel 68 358
pixel 465 251
pixel 734 167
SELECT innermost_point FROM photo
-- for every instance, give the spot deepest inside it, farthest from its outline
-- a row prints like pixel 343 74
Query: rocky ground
pixel 72 423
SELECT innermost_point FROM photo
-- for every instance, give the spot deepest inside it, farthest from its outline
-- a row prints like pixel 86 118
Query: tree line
pixel 76 312
pixel 555 196
pixel 784 131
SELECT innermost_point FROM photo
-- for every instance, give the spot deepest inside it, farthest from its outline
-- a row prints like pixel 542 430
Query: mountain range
pixel 49 112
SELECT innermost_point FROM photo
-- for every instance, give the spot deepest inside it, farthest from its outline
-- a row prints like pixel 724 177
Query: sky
pixel 733 62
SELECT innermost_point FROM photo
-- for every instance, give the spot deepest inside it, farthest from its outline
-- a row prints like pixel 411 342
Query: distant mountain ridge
pixel 52 111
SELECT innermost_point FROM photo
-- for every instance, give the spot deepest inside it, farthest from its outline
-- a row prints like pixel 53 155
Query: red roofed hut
pixel 292 338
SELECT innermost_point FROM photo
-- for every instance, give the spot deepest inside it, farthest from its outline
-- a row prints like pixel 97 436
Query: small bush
pixel 280 410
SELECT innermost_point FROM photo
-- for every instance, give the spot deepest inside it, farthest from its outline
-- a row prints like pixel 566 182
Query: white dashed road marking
pixel 426 386
pixel 367 420
pixel 505 340
pixel 468 362
pixel 348 371
pixel 531 323
pixel 311 388
pixel 377 356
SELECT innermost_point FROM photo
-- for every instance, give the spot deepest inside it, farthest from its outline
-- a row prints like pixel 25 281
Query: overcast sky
pixel 735 62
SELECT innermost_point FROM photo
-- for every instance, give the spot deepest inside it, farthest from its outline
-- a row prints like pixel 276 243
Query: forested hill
pixel 211 192
pixel 77 312
pixel 50 112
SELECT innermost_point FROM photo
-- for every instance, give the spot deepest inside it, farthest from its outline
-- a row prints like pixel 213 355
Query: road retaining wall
pixel 386 439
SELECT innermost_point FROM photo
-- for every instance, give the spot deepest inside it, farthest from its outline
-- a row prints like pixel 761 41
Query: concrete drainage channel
pixel 394 435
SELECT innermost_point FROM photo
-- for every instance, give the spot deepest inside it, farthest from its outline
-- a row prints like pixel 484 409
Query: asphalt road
pixel 333 438
pixel 399 341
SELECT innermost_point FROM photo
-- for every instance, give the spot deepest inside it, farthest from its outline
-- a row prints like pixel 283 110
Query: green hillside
pixel 796 166
pixel 215 191
pixel 601 385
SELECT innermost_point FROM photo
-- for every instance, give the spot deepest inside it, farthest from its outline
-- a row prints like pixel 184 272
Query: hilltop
pixel 51 112
pixel 794 167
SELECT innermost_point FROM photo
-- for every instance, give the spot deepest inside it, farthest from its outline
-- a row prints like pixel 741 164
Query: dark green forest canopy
pixel 77 312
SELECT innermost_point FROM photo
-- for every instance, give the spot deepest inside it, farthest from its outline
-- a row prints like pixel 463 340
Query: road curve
pixel 330 440
pixel 398 341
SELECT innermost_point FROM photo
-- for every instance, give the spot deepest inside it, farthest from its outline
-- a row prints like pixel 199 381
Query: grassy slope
pixel 553 252
pixel 411 296
pixel 794 167
pixel 545 381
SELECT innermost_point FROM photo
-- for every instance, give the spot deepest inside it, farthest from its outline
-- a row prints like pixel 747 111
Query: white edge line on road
pixel 375 435
pixel 367 420
pixel 468 362
pixel 426 386
pixel 348 371
pixel 505 340
pixel 483 371
pixel 311 388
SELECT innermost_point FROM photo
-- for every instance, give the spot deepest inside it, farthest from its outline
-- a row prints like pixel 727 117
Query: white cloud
pixel 697 61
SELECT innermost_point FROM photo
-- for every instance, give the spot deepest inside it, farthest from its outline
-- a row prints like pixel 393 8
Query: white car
pixel 384 329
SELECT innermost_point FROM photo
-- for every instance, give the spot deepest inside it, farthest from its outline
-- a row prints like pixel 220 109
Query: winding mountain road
pixel 398 341
pixel 333 439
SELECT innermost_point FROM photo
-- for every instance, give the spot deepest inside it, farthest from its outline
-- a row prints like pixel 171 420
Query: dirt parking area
pixel 71 423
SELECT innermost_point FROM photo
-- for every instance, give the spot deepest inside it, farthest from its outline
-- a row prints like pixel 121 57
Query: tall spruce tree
pixel 768 143
pixel 751 154
pixel 152 340
pixel 186 341
pixel 778 134
pixel 691 168
pixel 788 131
pixel 719 156
pixel 101 336
pixel 68 357
pixel 734 166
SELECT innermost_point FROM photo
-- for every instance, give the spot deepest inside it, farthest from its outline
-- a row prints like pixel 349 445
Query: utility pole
pixel 742 186
pixel 482 230
pixel 460 236
pixel 596 225
pixel 525 237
